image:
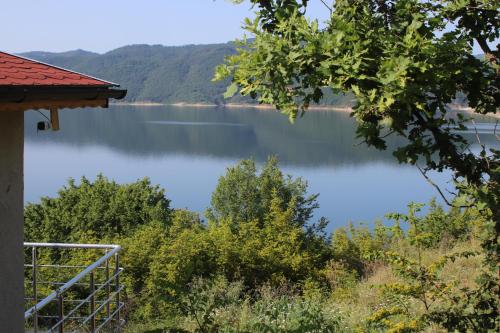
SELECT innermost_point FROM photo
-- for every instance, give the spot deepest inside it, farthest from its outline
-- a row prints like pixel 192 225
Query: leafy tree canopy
pixel 404 61
pixel 244 195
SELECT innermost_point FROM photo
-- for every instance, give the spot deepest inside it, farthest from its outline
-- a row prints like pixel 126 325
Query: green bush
pixel 259 265
pixel 101 209
pixel 216 305
pixel 244 195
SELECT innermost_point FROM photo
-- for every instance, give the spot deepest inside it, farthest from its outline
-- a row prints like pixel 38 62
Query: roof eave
pixel 19 94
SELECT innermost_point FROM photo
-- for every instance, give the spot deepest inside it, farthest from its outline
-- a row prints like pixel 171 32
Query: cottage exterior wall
pixel 11 222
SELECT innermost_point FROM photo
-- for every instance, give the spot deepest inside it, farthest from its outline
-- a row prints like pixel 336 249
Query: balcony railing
pixel 72 288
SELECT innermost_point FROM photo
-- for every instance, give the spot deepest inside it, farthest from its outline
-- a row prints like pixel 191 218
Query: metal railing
pixel 70 297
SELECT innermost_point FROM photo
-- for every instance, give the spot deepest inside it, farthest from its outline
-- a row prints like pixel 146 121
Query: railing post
pixel 35 297
pixel 108 290
pixel 92 303
pixel 117 282
pixel 60 310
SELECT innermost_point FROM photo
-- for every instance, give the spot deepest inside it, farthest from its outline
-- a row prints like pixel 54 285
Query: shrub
pixel 101 209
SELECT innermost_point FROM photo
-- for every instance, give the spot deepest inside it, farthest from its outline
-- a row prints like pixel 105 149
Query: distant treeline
pixel 166 74
pixel 163 74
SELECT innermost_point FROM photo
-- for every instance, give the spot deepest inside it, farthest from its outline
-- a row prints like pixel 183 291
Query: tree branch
pixel 424 173
pixel 434 185
pixel 482 146
pixel 476 132
pixel 326 5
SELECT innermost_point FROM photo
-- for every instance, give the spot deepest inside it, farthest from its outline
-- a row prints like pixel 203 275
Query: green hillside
pixel 155 73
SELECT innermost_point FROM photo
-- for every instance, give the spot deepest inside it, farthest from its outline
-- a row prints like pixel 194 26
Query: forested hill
pixel 155 73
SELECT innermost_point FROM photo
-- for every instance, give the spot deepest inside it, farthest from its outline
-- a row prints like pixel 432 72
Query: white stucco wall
pixel 11 222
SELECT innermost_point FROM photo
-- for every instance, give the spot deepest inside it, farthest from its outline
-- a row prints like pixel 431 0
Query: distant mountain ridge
pixel 162 74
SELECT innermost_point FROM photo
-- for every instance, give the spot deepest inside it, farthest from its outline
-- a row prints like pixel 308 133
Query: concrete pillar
pixel 11 221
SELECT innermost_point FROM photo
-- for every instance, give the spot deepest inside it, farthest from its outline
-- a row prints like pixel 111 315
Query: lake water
pixel 186 150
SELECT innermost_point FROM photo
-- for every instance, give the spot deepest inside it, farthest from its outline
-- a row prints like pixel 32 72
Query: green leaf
pixel 231 90
pixel 356 90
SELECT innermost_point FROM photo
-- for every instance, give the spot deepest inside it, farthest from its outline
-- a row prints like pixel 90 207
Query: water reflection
pixel 320 138
pixel 186 150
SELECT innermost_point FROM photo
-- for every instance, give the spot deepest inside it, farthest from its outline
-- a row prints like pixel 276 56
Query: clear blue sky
pixel 103 25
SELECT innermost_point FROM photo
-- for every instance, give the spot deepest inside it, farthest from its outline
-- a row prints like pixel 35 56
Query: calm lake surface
pixel 185 150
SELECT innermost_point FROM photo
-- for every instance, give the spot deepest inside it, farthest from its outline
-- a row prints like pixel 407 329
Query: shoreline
pixel 339 108
pixel 232 106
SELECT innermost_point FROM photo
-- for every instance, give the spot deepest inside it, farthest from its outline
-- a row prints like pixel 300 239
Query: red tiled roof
pixel 19 71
